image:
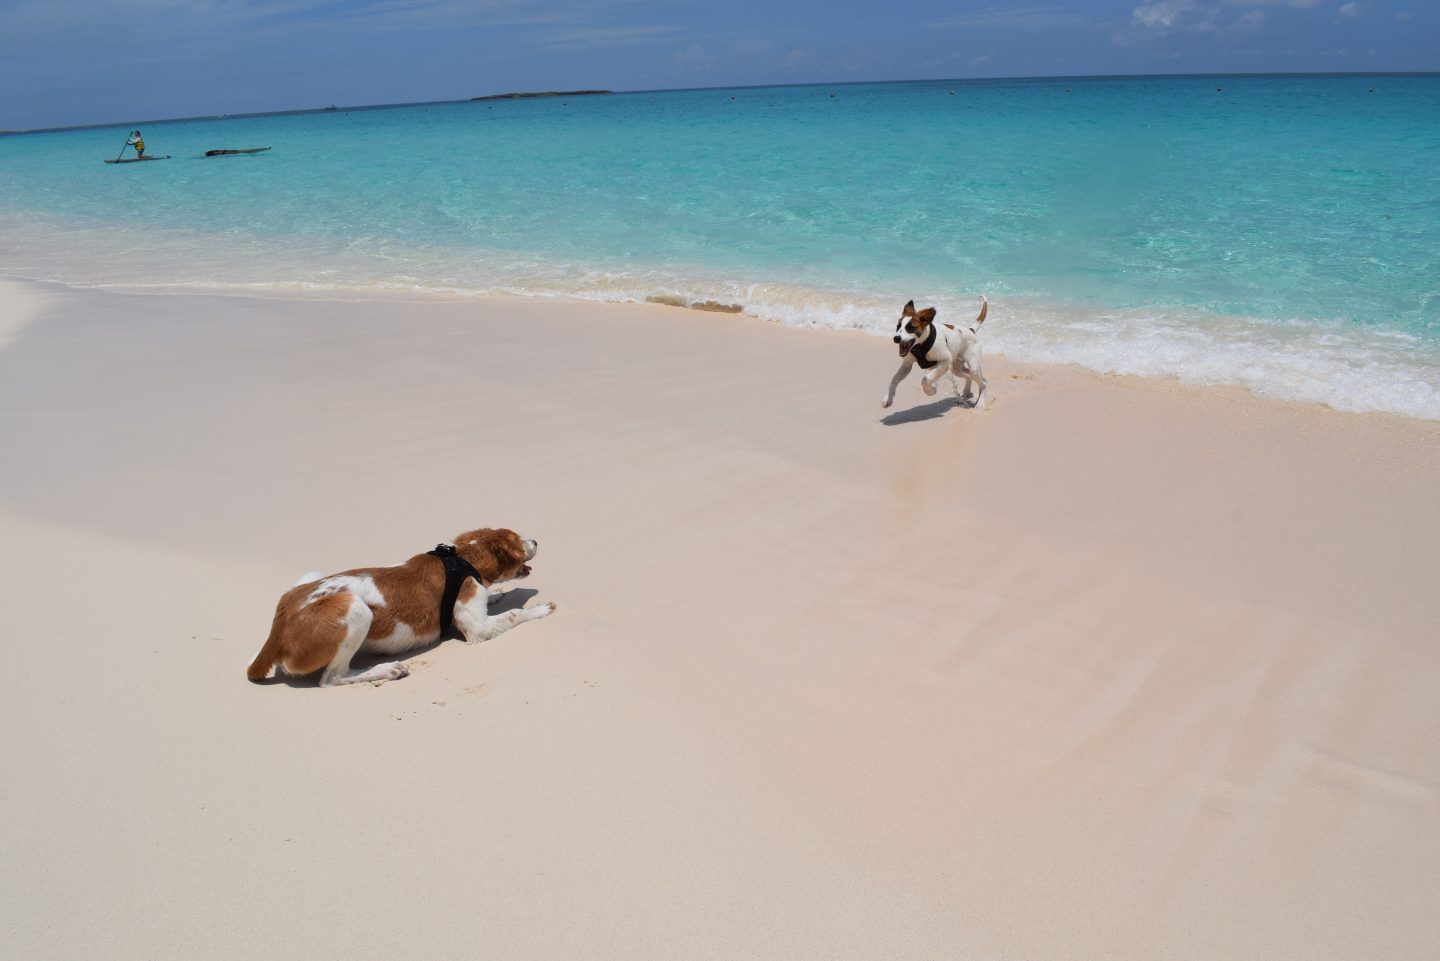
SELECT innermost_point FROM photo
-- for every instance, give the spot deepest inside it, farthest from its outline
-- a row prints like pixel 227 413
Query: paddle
pixel 122 149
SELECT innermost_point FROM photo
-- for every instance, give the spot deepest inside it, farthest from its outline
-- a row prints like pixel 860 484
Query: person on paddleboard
pixel 136 141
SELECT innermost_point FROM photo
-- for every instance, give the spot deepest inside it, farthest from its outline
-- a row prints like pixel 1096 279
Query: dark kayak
pixel 136 160
pixel 231 153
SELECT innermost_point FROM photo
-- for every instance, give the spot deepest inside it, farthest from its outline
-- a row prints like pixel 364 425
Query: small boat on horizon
pixel 228 152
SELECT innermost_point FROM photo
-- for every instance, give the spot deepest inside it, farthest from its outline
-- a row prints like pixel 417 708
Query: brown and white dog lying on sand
pixel 940 348
pixel 322 622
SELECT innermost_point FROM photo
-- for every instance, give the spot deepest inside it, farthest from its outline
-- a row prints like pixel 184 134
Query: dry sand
pixel 1114 669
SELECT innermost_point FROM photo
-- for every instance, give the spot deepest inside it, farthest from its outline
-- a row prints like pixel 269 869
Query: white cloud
pixel 1403 16
pixel 1165 21
pixel 1350 10
pixel 1161 15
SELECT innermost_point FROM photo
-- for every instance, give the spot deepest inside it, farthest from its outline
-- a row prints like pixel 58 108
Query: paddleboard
pixel 231 153
pixel 136 160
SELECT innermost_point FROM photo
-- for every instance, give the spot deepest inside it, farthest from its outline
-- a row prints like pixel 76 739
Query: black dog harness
pixel 457 569
pixel 920 350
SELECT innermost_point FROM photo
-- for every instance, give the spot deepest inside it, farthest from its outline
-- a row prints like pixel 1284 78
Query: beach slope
pixel 1113 669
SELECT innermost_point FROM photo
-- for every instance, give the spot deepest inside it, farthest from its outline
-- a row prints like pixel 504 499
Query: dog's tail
pixel 984 309
pixel 259 668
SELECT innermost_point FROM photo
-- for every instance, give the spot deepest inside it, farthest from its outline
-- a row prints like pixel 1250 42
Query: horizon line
pixel 753 86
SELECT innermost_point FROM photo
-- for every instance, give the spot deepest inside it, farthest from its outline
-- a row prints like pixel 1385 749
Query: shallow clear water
pixel 1283 233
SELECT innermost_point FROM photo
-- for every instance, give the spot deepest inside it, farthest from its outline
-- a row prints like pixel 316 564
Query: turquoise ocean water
pixel 1282 233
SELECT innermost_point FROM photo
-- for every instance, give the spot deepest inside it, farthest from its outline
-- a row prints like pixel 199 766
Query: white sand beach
pixel 1114 669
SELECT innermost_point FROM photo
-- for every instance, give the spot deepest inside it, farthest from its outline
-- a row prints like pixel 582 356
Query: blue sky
pixel 65 62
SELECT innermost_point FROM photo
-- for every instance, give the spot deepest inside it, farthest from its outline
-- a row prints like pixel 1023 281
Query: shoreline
pixel 702 303
pixel 1296 280
pixel 1113 669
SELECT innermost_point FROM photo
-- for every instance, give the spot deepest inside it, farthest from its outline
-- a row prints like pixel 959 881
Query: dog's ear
pixel 510 549
pixel 927 315
pixel 909 310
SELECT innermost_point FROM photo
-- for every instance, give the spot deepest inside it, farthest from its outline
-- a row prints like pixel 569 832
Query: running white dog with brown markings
pixel 943 348
pixel 323 622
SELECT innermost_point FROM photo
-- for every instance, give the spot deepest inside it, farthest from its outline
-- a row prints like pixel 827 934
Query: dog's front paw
pixel 929 389
pixel 887 402
pixel 392 671
pixel 546 609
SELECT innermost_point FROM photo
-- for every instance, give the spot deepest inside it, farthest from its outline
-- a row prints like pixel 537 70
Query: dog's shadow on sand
pixel 510 600
pixel 930 411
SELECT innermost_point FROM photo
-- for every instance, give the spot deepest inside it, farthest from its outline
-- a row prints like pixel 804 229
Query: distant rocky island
pixel 542 93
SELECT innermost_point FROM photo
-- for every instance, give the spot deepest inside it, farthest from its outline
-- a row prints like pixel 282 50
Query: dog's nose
pixel 896 338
